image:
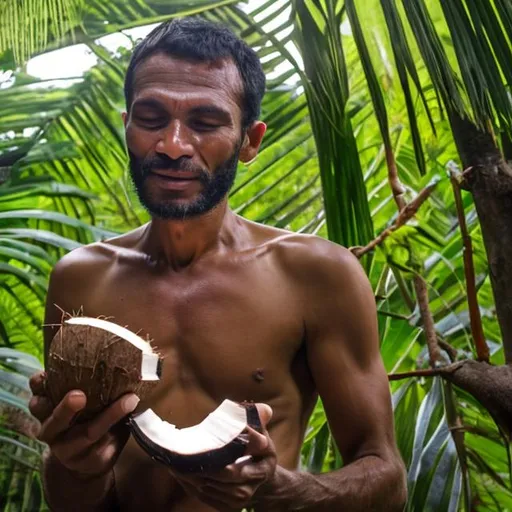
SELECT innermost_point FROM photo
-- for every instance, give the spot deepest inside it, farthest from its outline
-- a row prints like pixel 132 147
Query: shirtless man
pixel 239 310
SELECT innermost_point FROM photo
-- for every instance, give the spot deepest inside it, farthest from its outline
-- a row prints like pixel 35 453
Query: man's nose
pixel 176 141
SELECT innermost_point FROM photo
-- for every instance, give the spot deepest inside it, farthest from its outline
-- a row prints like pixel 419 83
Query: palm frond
pixel 319 39
pixel 27 27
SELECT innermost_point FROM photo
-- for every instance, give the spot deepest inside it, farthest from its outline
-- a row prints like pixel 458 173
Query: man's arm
pixel 77 467
pixel 344 358
pixel 64 491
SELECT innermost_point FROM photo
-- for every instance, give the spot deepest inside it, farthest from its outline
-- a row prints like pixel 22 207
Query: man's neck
pixel 180 243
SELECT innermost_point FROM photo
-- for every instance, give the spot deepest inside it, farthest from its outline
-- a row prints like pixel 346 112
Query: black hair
pixel 199 40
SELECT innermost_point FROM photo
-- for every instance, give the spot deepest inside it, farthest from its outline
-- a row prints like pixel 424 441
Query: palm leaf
pixel 26 27
pixel 318 36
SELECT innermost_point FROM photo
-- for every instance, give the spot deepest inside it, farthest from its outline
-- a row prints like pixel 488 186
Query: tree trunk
pixel 489 178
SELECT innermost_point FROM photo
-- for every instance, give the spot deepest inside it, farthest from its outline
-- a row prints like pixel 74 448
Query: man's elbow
pixel 398 495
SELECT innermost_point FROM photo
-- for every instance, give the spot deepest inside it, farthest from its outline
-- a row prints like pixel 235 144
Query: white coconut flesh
pixel 217 430
pixel 150 360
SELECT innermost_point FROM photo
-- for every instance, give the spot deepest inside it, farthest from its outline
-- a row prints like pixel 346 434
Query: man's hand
pixel 87 450
pixel 234 487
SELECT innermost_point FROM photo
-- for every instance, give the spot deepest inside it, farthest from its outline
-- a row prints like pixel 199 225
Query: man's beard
pixel 215 186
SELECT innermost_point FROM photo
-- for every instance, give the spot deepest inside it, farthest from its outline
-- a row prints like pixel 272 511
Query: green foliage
pixel 27 27
pixel 327 90
pixel 378 91
pixel 20 453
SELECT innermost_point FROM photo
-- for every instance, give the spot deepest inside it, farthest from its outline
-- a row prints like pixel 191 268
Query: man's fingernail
pixel 130 403
pixel 243 459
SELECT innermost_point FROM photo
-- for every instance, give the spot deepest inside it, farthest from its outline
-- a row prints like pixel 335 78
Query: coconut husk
pixel 103 365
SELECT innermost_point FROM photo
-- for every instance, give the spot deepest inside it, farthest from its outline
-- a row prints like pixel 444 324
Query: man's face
pixel 184 134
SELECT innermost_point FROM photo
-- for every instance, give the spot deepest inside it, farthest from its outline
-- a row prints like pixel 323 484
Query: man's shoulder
pixel 315 259
pixel 326 278
pixel 86 258
pixel 311 261
pixel 89 259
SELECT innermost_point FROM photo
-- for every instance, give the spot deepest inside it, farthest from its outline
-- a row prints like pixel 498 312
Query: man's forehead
pixel 164 71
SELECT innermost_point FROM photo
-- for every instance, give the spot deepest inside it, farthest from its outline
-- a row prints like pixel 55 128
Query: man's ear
pixel 252 141
pixel 124 115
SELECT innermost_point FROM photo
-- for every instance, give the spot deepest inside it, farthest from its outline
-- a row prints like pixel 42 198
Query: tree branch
pixel 431 372
pixel 428 321
pixel 394 181
pixel 419 283
pixel 451 351
pixel 490 385
pixel 427 372
pixel 481 347
pixel 406 214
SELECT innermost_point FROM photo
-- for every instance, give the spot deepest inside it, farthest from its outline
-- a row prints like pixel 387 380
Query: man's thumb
pixel 258 443
pixel 265 413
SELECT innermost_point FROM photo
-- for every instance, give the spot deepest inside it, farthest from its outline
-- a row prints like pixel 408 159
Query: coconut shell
pixel 101 364
pixel 206 461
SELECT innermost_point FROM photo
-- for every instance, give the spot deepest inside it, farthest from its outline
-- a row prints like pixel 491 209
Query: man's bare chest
pixel 227 332
pixel 232 333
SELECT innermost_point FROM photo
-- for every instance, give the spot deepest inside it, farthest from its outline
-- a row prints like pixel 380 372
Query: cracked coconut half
pixel 102 359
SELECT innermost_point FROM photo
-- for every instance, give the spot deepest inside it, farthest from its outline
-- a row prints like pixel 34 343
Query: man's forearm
pixel 64 491
pixel 368 484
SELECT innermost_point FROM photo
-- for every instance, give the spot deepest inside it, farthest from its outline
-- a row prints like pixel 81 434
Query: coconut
pixel 102 359
pixel 219 440
pixel 105 361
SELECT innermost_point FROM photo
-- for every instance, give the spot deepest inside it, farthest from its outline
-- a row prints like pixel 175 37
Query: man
pixel 239 310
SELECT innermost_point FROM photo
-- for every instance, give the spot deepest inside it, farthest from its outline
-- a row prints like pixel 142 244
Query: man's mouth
pixel 174 180
pixel 176 175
